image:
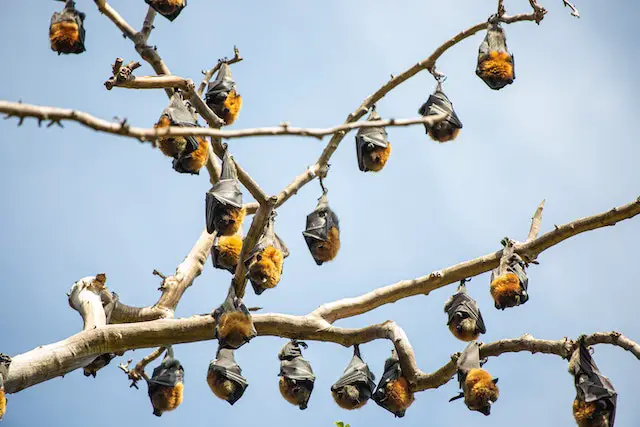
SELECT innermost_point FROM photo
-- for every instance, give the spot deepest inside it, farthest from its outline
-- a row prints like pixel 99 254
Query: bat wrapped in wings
pixel 166 385
pixel 66 30
pixel 509 281
pixel 222 96
pixel 225 252
pixel 5 361
pixel 495 63
pixel 265 261
pixel 438 103
pixel 224 211
pixel 464 318
pixel 479 389
pixel 233 324
pixel 296 376
pixel 372 146
pixel 596 398
pixel 170 9
pixel 322 233
pixel 225 377
pixel 355 387
pixel 189 153
pixel 393 393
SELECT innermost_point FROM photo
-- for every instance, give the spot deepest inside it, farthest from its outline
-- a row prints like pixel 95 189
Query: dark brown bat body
pixel 170 146
pixel 226 252
pixel 596 398
pixel 296 376
pixel 222 387
pixel 225 377
pixel 393 392
pixel 166 399
pixel 354 389
pixel 170 9
pixel 349 397
pixel 495 63
pixel 235 328
pixel 194 161
pixel 294 393
pixel 464 318
pixel 166 385
pixel 66 31
pixel 222 96
pixel 99 362
pixel 322 232
pixel 372 146
pixel 480 391
pixel 327 251
pixel 509 280
pixel 438 103
pixel 227 220
pixel 267 268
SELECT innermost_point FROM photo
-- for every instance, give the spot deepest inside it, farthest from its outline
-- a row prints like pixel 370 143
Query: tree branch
pixel 536 221
pixel 574 11
pixel 350 307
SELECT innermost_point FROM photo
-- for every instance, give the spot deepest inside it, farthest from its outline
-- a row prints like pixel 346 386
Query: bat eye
pixel 259 257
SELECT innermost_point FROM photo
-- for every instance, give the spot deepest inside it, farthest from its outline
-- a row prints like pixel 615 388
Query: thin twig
pixel 536 221
pixel 574 11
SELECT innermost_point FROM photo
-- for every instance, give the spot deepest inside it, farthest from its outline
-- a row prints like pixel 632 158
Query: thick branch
pixel 84 297
pixel 350 307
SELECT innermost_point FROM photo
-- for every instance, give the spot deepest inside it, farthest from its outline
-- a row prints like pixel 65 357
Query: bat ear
pixel 495 380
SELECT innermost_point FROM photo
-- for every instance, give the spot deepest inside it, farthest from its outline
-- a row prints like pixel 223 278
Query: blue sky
pixel 77 203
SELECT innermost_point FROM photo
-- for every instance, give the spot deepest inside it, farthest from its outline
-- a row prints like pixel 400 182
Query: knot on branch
pixel 121 74
pixel 133 374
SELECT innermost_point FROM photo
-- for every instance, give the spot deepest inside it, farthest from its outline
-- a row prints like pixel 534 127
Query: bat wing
pixel 592 385
pixel 210 204
pixel 291 350
pixel 518 267
pixel 470 358
pixel 369 138
pixel 357 372
pixel 167 376
pixel 298 369
pixel 227 192
pixel 462 304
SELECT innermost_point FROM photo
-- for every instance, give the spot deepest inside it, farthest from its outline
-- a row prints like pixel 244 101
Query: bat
pixel 223 202
pixel 233 324
pixel 438 103
pixel 98 363
pixel 495 63
pixel 296 375
pixel 222 96
pixel 66 30
pixel 225 377
pixel 166 384
pixel 189 153
pixel 5 361
pixel 225 252
pixel 479 389
pixel 509 281
pixel 265 261
pixel 464 318
pixel 596 398
pixel 393 392
pixel 170 9
pixel 322 232
pixel 355 387
pixel 372 146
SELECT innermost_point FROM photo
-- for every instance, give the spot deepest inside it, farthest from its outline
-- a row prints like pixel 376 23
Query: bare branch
pixel 209 74
pixel 147 26
pixel 536 221
pixel 574 11
pixel 530 250
pixel 538 11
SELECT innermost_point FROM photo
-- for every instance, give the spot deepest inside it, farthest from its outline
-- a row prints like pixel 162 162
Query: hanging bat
pixel 166 385
pixel 5 361
pixel 98 363
pixel 225 251
pixel 233 324
pixel 225 377
pixel 296 375
pixel 222 96
pixel 438 103
pixel 372 146
pixel 479 389
pixel 495 63
pixel 190 153
pixel 393 393
pixel 355 387
pixel 170 9
pixel 596 399
pixel 322 233
pixel 265 261
pixel 224 211
pixel 66 30
pixel 465 320
pixel 509 281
